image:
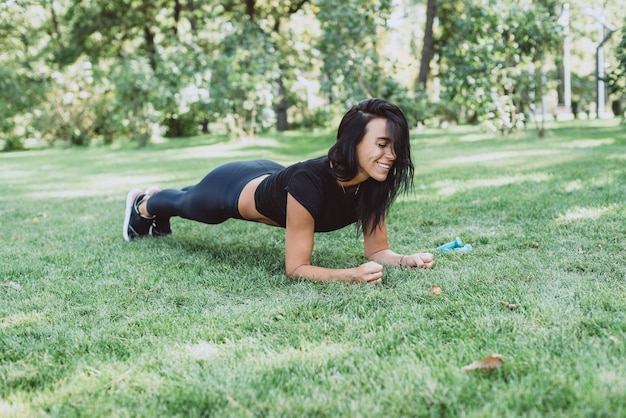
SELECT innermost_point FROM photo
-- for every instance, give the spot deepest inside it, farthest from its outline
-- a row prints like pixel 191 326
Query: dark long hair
pixel 374 198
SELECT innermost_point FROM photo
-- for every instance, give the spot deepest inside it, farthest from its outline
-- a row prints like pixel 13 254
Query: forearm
pixel 322 274
pixel 387 257
pixel 390 258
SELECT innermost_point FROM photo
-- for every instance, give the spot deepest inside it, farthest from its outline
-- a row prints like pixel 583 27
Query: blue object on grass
pixel 455 246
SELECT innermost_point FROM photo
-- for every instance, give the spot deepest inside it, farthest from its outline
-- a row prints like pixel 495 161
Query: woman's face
pixel 375 152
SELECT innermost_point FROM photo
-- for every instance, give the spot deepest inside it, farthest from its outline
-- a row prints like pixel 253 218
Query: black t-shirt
pixel 313 185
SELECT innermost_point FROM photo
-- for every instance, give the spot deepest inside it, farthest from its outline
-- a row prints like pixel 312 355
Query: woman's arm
pixel 299 237
pixel 376 248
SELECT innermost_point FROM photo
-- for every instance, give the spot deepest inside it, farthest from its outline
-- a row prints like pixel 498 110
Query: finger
pixel 374 269
pixel 374 277
pixel 427 257
pixel 416 262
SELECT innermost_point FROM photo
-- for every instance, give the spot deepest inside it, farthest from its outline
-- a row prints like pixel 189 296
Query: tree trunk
pixel 250 9
pixel 177 9
pixel 192 17
pixel 55 25
pixel 428 48
pixel 560 88
pixel 150 48
pixel 282 123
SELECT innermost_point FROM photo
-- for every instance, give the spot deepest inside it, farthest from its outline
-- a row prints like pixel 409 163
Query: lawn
pixel 206 323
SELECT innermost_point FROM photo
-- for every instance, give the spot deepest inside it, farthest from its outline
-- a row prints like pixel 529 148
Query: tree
pixel 428 46
pixel 493 59
pixel 353 35
pixel 270 20
pixel 617 77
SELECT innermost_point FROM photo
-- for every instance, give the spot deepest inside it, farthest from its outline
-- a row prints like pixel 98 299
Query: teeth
pixel 384 165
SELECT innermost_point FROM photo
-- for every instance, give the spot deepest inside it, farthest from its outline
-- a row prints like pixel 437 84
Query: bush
pixel 318 118
pixel 13 143
pixel 183 125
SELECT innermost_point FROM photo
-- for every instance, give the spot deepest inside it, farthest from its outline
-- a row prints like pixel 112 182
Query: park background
pixel 82 72
pixel 101 97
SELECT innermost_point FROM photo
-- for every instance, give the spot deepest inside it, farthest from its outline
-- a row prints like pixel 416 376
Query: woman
pixel 356 182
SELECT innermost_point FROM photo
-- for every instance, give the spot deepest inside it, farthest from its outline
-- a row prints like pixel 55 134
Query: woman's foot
pixel 135 224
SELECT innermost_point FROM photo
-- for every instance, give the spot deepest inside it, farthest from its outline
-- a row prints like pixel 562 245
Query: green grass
pixel 206 323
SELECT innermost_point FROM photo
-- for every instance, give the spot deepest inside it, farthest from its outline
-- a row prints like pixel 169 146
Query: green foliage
pixel 492 59
pixel 242 80
pixel 617 77
pixel 318 118
pixel 167 68
pixel 351 47
pixel 185 124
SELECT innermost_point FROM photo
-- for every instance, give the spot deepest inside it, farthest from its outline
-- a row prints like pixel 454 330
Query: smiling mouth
pixel 385 166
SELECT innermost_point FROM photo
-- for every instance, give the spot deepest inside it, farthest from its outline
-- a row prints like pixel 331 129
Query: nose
pixel 390 152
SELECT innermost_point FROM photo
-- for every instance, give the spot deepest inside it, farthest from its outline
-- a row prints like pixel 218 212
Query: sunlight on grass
pixel 311 353
pixel 616 157
pixel 476 137
pixel 612 380
pixel 228 150
pixel 589 143
pixel 97 185
pixel 573 186
pixel 242 150
pixel 21 319
pixel 603 180
pixel 450 187
pixel 202 350
pixel 497 156
pixel 14 409
pixel 578 213
pixel 13 174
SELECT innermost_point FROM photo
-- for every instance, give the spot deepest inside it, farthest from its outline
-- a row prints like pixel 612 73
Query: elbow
pixel 292 271
pixel 371 256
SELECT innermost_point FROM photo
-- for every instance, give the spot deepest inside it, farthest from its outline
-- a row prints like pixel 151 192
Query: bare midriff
pixel 247 206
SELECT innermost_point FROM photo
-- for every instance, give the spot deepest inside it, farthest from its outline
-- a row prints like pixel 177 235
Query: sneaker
pixel 159 227
pixel 135 224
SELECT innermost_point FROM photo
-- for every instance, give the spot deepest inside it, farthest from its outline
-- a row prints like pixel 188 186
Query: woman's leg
pixel 214 199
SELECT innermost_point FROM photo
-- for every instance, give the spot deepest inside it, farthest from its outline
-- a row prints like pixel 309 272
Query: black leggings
pixel 215 198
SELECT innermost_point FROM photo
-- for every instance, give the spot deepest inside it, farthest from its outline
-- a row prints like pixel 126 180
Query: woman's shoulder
pixel 316 167
pixel 314 163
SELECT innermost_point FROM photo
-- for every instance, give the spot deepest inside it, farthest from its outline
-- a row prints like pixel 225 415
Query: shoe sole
pixel 130 200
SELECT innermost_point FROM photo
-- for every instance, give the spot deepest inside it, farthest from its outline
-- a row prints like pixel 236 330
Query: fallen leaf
pixel 132 289
pixel 510 306
pixel 35 220
pixel 493 361
pixel 436 290
pixel 455 210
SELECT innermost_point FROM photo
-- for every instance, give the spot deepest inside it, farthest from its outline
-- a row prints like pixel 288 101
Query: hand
pixel 419 260
pixel 370 272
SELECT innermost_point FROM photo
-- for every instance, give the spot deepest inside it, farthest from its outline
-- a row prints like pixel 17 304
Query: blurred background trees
pixel 82 71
